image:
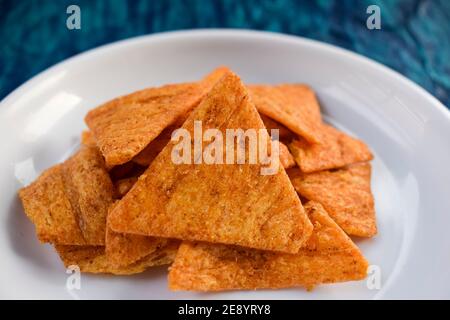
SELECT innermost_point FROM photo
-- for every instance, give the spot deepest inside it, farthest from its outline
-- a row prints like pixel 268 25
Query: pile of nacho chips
pixel 120 205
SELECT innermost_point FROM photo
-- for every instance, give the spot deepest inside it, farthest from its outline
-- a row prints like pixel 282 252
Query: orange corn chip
pixel 336 150
pixel 47 205
pixel 92 259
pixel 124 126
pixel 344 193
pixel 69 202
pixel 286 158
pixel 226 203
pixel 329 256
pixel 293 105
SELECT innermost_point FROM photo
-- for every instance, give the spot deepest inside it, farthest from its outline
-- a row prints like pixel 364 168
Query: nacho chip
pixel 336 150
pixel 293 105
pixel 344 193
pixel 47 205
pixel 68 203
pixel 92 259
pixel 329 256
pixel 124 126
pixel 226 203
pixel 286 158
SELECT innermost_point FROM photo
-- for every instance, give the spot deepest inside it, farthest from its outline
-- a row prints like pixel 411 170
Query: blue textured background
pixel 414 39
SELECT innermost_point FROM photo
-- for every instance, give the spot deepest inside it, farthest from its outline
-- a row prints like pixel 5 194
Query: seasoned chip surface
pixel 232 204
pixel 345 194
pixel 90 191
pixel 329 256
pixel 125 126
pixel 92 259
pixel 335 150
pixel 68 203
pixel 47 205
pixel 293 105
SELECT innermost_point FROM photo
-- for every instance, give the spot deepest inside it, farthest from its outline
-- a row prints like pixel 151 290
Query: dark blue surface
pixel 414 38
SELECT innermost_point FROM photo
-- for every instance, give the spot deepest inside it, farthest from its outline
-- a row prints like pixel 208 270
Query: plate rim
pixel 225 33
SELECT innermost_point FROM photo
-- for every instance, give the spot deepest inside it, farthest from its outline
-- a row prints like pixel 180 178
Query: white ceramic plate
pixel 408 130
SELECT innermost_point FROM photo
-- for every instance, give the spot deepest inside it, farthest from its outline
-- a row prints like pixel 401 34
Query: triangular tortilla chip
pixel 293 105
pixel 329 256
pixel 125 126
pixel 336 150
pixel 68 203
pixel 226 203
pixel 47 205
pixel 344 193
pixel 92 259
pixel 286 158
